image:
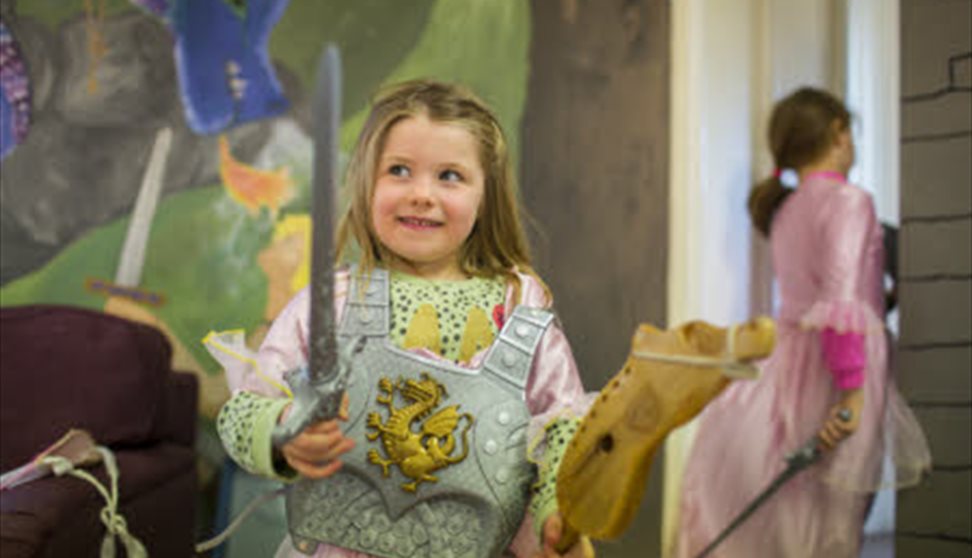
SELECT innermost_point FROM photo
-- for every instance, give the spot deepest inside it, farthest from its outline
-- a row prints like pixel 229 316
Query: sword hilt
pixel 806 454
pixel 811 451
pixel 316 400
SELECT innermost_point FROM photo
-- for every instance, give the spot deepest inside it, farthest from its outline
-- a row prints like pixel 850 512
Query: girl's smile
pixel 428 188
pixel 418 223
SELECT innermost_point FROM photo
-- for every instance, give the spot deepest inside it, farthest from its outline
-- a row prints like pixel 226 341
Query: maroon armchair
pixel 63 368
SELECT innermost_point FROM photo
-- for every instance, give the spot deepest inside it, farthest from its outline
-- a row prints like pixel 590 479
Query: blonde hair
pixel 497 243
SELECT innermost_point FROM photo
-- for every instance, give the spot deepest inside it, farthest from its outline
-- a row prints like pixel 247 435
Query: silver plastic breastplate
pixel 414 418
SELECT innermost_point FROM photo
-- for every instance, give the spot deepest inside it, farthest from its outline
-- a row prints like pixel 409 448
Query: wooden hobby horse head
pixel 668 379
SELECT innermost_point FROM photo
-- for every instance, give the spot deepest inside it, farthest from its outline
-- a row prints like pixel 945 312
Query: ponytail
pixel 764 199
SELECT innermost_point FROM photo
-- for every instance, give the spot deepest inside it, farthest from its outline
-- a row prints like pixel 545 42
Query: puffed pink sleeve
pixel 554 384
pixel 840 313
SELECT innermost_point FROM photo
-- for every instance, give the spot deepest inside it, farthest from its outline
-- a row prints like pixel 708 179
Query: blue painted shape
pixel 15 97
pixel 7 140
pixel 225 74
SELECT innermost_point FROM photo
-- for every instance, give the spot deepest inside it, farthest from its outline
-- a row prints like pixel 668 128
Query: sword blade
pixel 319 387
pixel 132 258
pixel 326 115
pixel 796 462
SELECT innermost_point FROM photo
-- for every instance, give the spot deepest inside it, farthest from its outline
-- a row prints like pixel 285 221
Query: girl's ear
pixel 843 142
pixel 840 133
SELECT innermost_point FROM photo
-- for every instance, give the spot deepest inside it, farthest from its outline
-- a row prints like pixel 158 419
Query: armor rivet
pixel 490 446
pixel 502 476
pixel 522 330
pixel 509 359
pixel 503 418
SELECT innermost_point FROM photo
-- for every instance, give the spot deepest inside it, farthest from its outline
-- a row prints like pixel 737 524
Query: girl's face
pixel 428 188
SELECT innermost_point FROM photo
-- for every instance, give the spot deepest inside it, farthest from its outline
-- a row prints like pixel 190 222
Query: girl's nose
pixel 421 192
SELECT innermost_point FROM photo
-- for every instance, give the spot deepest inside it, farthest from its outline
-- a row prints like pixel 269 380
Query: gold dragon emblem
pixel 413 438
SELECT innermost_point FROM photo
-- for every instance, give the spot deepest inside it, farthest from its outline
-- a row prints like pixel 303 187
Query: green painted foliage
pixel 201 255
pixel 373 36
pixel 481 43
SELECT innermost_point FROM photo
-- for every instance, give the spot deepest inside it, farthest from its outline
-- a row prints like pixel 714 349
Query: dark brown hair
pixel 801 129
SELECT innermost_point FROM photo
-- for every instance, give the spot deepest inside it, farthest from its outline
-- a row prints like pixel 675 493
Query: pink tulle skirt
pixel 745 434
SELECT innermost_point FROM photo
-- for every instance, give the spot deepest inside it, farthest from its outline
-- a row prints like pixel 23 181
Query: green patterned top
pixel 454 319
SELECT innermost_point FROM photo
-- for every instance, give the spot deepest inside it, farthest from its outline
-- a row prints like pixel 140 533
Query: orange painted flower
pixel 253 187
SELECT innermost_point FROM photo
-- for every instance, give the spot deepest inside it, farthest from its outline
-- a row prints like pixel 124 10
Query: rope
pixel 728 363
pixel 114 523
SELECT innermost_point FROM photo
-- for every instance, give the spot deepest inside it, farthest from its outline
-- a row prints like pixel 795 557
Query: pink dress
pixel 827 257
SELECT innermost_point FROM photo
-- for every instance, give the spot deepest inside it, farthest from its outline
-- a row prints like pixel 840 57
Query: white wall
pixel 873 95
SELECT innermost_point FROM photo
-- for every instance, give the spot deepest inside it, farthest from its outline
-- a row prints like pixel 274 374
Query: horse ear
pixel 649 329
pixel 702 336
pixel 689 333
pixel 644 332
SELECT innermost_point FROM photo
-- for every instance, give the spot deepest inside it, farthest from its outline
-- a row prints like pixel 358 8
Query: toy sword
pixel 319 387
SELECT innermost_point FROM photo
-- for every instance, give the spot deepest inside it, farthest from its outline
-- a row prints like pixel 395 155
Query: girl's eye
pixel 450 176
pixel 399 171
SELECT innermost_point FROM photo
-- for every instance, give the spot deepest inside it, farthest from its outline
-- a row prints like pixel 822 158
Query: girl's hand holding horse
pixel 314 452
pixel 552 531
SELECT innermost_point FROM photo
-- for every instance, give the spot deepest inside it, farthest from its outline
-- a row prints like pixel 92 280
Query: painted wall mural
pixel 156 156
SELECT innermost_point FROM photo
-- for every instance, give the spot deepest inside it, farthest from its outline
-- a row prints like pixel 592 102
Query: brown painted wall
pixel 935 353
pixel 594 173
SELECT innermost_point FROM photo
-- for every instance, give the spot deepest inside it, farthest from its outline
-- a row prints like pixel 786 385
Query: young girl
pixel 463 362
pixel 828 375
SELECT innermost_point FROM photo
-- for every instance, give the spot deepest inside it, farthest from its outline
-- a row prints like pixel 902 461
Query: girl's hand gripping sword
pixel 319 387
